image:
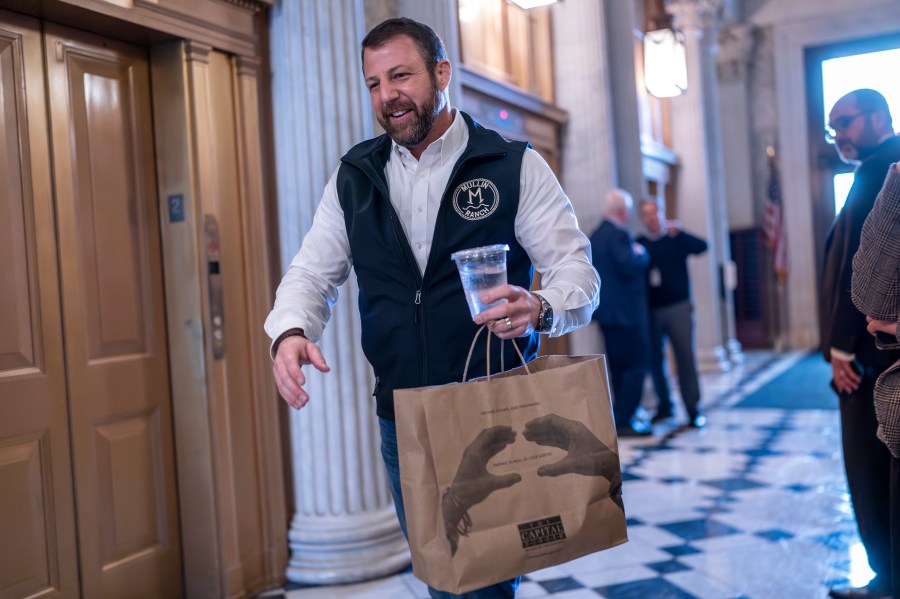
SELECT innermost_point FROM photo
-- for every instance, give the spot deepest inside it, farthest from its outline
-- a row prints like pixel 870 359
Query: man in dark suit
pixel 623 314
pixel 860 127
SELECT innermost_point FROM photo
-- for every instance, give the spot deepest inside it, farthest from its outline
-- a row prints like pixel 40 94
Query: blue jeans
pixel 392 465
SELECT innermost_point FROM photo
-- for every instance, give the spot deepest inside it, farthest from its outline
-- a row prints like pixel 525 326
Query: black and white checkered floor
pixel 753 506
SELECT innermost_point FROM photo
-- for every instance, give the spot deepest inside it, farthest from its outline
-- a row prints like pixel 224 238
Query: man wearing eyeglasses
pixel 860 128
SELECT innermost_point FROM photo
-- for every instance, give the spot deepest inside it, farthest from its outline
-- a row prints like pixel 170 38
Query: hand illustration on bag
pixel 587 455
pixel 473 483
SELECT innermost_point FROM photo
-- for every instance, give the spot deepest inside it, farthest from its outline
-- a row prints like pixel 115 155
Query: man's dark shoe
pixel 870 591
pixel 661 417
pixel 697 421
pixel 627 431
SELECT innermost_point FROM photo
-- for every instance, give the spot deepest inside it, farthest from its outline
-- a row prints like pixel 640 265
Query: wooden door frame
pixel 179 73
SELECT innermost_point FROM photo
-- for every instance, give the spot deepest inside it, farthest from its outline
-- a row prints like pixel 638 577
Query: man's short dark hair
pixel 869 100
pixel 429 43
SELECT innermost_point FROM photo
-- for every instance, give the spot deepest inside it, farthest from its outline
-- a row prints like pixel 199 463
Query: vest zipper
pixel 423 345
pixel 418 302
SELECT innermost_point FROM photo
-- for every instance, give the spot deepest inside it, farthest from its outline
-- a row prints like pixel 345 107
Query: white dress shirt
pixel 545 227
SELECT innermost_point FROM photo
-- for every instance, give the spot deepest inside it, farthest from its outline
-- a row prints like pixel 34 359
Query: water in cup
pixel 480 270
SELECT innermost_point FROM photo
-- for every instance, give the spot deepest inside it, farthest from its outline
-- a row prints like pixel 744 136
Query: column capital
pixel 695 15
pixel 735 49
pixel 736 42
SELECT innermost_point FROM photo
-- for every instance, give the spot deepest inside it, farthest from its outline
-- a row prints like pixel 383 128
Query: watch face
pixel 546 316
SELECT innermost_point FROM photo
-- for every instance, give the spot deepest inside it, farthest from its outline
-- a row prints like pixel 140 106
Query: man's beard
pixel 849 153
pixel 411 134
pixel 857 153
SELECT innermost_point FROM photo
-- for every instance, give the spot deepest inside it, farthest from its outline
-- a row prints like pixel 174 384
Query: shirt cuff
pixel 842 355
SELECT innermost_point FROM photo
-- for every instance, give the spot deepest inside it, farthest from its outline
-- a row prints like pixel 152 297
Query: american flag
pixel 773 220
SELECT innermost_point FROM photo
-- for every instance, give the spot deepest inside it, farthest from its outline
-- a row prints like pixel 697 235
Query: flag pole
pixel 776 243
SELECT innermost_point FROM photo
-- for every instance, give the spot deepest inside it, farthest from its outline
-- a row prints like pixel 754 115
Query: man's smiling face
pixel 406 97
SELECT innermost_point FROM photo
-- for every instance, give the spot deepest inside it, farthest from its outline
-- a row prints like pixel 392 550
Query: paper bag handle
pixel 489 327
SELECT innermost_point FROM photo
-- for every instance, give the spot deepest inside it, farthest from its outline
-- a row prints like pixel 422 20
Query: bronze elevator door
pixel 86 441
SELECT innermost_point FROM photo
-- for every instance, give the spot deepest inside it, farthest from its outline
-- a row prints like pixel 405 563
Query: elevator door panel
pixel 37 521
pixel 113 316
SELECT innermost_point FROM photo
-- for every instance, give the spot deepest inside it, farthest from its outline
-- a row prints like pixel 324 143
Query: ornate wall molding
pixel 197 52
pixel 247 66
pixel 251 5
pixel 695 15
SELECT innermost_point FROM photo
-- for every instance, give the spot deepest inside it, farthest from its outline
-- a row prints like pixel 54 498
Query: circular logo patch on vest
pixel 476 199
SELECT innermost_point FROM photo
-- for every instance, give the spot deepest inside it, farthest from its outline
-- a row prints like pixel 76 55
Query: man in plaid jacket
pixel 876 292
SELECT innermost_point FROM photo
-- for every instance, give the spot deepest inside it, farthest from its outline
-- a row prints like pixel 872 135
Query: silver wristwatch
pixel 545 318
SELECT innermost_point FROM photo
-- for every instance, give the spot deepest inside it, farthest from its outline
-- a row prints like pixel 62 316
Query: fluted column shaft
pixel 582 83
pixel 344 527
pixel 620 26
pixel 736 45
pixel 701 193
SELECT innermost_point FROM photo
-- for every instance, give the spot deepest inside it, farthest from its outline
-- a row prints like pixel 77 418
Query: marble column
pixel 344 528
pixel 702 207
pixel 620 44
pixel 582 82
pixel 736 43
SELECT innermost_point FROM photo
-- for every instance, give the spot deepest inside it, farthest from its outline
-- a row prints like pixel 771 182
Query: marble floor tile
pixel 702 585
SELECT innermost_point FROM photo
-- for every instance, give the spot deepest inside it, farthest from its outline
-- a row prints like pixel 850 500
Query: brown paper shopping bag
pixel 509 473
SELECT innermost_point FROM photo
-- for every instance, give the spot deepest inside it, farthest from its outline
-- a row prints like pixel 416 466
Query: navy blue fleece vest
pixel 417 330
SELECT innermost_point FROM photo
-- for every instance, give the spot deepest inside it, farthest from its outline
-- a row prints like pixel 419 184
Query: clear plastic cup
pixel 481 269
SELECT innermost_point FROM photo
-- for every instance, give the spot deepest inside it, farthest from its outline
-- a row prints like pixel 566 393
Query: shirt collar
pixel 456 135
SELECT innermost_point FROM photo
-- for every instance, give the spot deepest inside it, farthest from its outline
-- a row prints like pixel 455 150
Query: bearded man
pixel 395 209
pixel 861 130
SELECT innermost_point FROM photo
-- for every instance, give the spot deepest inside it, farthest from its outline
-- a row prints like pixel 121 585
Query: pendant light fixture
pixel 665 64
pixel 526 4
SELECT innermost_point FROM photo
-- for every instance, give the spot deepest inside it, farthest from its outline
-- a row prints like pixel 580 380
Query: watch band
pixel 545 318
pixel 297 332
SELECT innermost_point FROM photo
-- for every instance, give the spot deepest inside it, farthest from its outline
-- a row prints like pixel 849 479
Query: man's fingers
pixel 290 391
pixel 845 378
pixel 315 357
pixel 516 307
pixel 288 369
pixel 880 326
pixel 507 292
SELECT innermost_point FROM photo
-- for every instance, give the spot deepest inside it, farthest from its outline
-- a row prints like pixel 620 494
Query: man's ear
pixel 443 72
pixel 879 121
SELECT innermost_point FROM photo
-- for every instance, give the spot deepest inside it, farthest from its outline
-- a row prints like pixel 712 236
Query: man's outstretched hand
pixel 293 353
